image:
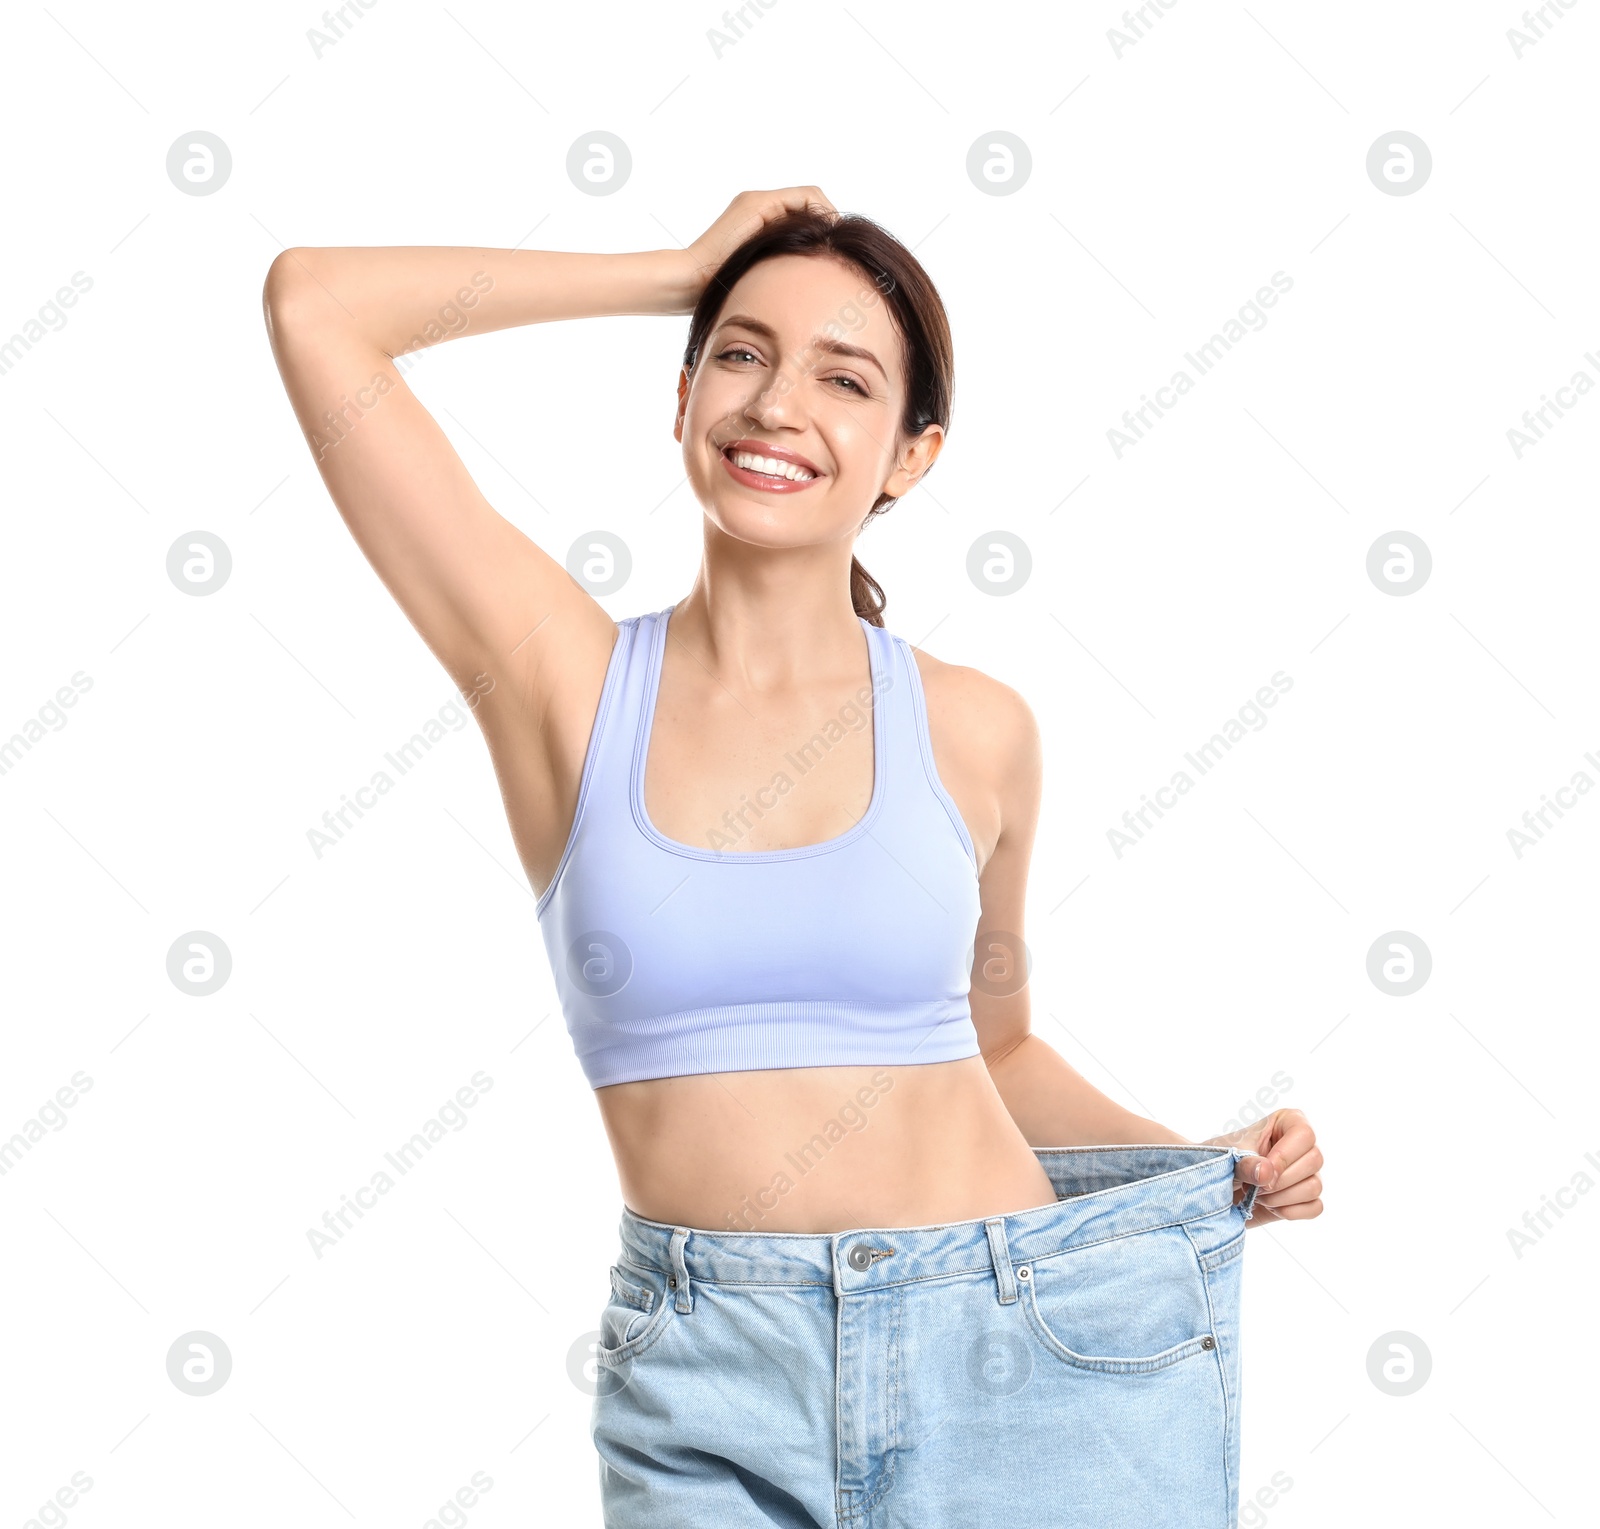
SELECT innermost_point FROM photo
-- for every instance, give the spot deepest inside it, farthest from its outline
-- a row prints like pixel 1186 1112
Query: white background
pixel 1168 585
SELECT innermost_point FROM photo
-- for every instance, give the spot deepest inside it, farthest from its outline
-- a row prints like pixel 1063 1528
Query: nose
pixel 777 404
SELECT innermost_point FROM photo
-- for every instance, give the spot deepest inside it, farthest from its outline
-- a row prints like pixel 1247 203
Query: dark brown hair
pixel 927 356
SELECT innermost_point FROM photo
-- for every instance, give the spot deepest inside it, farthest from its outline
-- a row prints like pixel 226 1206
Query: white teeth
pixel 771 466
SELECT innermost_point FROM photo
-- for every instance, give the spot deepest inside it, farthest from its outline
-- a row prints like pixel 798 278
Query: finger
pixel 1255 1169
pixel 1299 1168
pixel 1290 1137
pixel 1296 1194
pixel 1265 1215
pixel 794 197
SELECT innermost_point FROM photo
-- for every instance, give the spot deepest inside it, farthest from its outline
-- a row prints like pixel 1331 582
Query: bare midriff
pixel 821 1149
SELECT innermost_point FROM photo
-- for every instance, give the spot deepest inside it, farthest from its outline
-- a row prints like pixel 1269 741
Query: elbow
pixel 999 1050
pixel 288 285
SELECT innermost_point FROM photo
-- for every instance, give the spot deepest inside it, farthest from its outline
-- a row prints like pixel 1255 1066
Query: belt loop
pixel 680 1270
pixel 1248 1204
pixel 995 1226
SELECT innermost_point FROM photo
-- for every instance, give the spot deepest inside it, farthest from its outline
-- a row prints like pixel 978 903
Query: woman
pixel 886 1258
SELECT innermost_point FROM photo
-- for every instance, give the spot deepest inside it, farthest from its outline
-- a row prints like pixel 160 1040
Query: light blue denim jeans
pixel 1074 1364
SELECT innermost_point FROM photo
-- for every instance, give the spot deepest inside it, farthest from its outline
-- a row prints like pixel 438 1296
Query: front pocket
pixel 634 1315
pixel 1126 1306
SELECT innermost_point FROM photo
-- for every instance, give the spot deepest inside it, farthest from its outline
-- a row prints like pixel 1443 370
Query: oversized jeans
pixel 1075 1365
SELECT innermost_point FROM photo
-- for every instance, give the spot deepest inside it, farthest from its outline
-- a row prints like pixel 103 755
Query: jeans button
pixel 860 1257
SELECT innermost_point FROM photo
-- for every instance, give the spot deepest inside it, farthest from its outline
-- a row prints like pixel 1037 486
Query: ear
pixel 683 404
pixel 914 461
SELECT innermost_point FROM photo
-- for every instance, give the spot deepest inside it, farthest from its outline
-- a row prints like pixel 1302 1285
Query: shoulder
pixel 987 713
pixel 986 749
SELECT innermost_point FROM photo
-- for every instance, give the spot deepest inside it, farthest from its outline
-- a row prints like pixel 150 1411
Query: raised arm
pixel 512 628
pixel 515 632
pixel 343 323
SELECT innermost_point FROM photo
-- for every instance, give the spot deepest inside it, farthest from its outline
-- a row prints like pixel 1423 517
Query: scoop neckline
pixel 641 757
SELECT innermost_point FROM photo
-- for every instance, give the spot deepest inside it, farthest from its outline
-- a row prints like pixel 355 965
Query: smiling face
pixel 790 423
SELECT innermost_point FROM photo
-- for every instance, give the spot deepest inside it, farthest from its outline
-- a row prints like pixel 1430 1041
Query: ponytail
pixel 866 594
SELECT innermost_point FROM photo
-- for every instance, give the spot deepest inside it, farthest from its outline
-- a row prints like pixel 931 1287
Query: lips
pixel 761 480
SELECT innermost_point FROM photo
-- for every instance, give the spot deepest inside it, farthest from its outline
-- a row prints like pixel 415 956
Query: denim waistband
pixel 1105 1192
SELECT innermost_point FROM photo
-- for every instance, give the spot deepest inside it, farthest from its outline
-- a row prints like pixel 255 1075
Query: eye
pixel 737 350
pixel 853 383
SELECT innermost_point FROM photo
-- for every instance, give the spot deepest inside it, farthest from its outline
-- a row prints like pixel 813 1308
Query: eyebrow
pixel 818 342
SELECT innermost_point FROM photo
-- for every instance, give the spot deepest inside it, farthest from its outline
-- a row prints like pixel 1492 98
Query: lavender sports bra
pixel 673 958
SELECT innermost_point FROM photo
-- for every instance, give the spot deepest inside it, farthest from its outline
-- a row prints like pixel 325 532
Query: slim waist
pixel 1104 1192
